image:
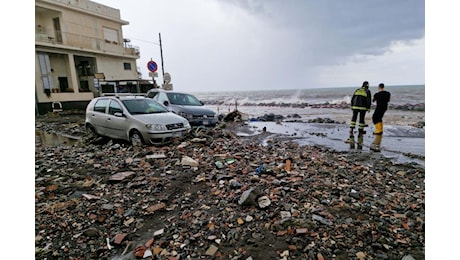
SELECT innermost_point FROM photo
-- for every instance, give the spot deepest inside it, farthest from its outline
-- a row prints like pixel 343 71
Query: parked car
pixel 185 105
pixel 136 119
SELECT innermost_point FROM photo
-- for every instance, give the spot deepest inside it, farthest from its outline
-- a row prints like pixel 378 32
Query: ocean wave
pixel 338 104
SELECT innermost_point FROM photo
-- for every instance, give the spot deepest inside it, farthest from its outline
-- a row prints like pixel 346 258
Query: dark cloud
pixel 344 28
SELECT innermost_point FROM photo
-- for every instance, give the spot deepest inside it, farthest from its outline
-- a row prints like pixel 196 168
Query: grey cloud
pixel 343 28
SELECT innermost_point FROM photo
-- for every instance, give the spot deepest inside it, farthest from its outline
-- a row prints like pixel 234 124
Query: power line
pixel 144 41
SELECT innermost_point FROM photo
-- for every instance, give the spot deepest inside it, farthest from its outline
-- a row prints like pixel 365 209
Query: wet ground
pixel 403 144
pixel 399 143
pixel 55 139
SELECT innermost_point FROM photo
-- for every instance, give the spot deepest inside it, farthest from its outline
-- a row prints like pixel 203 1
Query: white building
pixel 80 52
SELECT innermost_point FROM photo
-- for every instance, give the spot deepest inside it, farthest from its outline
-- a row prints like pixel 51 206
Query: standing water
pixel 54 139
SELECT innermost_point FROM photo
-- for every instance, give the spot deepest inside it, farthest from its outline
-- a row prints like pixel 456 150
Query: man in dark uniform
pixel 360 104
pixel 382 97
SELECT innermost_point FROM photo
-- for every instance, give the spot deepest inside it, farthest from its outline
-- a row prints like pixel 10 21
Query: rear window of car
pixel 100 105
pixel 183 99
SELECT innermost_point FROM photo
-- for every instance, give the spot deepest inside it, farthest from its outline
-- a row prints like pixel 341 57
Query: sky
pixel 221 45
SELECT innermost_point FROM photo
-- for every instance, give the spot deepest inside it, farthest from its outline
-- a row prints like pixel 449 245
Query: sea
pixel 401 95
pixel 404 132
pixel 406 105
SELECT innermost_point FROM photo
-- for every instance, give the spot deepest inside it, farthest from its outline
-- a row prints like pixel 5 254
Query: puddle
pixel 55 139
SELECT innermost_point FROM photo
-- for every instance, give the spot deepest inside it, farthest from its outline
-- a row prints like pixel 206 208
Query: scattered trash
pixel 224 197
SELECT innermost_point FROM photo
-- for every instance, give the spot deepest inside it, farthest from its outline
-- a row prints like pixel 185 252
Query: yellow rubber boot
pixel 375 146
pixel 378 128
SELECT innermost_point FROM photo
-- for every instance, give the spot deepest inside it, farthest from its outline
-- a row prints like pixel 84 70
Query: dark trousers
pixel 378 115
pixel 362 115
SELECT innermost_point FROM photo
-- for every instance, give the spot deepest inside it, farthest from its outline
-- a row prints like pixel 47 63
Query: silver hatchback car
pixel 136 119
pixel 185 105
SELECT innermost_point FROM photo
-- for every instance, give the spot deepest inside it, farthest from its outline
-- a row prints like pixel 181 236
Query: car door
pixel 98 115
pixel 116 123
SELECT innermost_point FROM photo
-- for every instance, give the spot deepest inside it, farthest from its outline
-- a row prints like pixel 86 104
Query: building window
pixel 85 69
pixel 127 65
pixel 110 35
pixel 45 69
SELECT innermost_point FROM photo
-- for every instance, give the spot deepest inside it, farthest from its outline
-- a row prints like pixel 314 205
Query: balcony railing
pixel 87 42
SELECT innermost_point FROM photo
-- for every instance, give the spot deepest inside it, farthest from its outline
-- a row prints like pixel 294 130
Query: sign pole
pixel 153 76
pixel 152 67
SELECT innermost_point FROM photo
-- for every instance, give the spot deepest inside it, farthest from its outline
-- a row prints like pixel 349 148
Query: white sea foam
pixel 400 95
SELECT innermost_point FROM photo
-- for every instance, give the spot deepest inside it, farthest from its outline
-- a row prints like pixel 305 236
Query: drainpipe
pixel 36 103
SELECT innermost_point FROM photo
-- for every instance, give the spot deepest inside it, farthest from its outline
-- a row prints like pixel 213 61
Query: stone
pixel 211 250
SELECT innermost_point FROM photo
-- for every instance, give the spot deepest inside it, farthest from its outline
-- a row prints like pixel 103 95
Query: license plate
pixel 205 122
pixel 177 134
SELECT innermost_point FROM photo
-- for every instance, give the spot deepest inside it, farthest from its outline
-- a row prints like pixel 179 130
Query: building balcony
pixel 75 41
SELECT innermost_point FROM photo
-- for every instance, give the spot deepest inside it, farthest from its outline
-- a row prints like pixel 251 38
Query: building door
pixel 63 83
pixel 57 29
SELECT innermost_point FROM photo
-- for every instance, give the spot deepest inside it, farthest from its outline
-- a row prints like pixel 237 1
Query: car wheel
pixel 135 138
pixel 91 131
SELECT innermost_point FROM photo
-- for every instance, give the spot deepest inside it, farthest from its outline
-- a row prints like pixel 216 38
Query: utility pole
pixel 162 65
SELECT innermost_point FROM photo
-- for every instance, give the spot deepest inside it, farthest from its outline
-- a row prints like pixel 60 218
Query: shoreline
pixel 403 139
pixel 342 115
pixel 401 144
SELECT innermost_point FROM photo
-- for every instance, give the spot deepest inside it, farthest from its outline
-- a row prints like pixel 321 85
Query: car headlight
pixel 187 124
pixel 157 127
pixel 183 114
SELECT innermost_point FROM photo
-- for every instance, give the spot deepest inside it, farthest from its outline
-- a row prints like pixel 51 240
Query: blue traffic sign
pixel 152 66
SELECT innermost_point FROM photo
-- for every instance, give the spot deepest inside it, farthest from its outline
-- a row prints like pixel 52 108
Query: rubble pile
pixel 215 195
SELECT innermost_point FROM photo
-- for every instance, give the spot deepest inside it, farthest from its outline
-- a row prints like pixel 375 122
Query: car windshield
pixel 143 106
pixel 183 99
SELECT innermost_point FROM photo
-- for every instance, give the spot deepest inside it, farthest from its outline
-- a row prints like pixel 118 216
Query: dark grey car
pixel 185 105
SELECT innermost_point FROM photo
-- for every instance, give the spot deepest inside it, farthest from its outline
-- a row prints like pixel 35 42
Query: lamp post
pixel 161 54
pixel 166 77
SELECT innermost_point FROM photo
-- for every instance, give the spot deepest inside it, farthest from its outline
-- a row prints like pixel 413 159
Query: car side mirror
pixel 118 114
pixel 202 103
pixel 166 103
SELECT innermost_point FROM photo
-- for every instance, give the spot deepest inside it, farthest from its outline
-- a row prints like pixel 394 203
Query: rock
pixel 211 250
pixel 321 220
pixel 187 161
pixel 139 251
pixel 249 197
pixel 119 238
pixel 263 202
pixel 91 232
pixel 121 176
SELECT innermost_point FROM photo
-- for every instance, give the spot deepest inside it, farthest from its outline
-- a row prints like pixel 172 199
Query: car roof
pixel 167 91
pixel 122 96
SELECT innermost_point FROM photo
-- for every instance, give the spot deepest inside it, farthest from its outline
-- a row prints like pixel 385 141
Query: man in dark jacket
pixel 360 104
pixel 382 97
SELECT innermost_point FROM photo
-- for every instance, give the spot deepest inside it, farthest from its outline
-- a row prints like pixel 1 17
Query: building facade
pixel 80 53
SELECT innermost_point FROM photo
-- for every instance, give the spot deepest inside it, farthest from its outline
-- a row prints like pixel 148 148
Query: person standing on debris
pixel 360 104
pixel 382 97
